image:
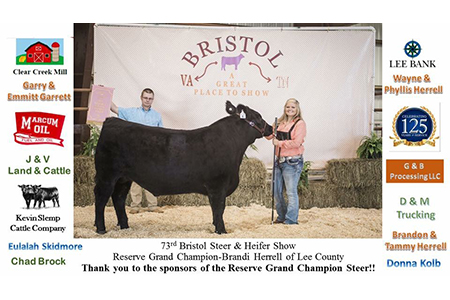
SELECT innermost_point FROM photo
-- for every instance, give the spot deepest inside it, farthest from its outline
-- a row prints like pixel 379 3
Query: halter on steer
pixel 232 110
pixel 252 124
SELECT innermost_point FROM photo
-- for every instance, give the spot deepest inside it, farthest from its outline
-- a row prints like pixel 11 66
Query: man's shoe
pixel 155 209
pixel 134 210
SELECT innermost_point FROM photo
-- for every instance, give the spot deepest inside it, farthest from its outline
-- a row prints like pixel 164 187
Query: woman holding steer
pixel 289 150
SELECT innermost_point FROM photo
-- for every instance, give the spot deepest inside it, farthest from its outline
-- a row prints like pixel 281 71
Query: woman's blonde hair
pixel 298 114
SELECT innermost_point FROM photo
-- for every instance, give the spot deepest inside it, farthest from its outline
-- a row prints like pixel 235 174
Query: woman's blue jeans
pixel 287 175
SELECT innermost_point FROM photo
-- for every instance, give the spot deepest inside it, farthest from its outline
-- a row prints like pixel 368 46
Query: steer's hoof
pixel 101 231
pixel 220 232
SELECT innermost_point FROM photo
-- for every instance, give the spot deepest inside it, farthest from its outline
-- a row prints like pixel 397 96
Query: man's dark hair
pixel 147 90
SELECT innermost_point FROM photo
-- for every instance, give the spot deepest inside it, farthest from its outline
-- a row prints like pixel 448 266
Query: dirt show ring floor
pixel 241 222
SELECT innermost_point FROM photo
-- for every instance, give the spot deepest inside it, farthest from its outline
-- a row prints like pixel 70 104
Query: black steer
pixel 167 161
pixel 27 193
pixel 45 194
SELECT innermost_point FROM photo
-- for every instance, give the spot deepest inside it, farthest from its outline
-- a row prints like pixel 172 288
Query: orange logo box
pixel 415 171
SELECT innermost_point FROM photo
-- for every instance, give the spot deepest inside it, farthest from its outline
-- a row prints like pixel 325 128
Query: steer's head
pixel 26 189
pixel 36 188
pixel 251 117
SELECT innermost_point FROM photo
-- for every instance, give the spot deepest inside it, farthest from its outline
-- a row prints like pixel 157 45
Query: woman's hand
pixel 275 142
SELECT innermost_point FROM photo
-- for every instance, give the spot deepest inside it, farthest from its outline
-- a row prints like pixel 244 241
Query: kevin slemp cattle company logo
pixel 34 128
pixel 32 221
pixel 39 51
pixel 414 126
pixel 39 195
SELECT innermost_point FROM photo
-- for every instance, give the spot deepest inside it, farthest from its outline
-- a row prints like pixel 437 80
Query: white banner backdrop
pixel 194 70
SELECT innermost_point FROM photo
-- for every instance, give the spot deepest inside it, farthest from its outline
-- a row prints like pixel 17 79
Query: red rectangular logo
pixel 35 128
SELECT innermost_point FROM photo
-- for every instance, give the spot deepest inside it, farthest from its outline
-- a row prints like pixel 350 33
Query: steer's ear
pixel 231 109
pixel 242 110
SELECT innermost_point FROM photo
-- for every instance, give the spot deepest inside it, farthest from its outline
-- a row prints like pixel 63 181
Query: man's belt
pixel 282 159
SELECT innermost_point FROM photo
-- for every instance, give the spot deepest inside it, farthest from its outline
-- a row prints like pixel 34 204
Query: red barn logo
pixel 39 51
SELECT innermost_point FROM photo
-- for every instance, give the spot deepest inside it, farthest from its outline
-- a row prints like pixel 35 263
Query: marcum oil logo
pixel 39 51
pixel 35 128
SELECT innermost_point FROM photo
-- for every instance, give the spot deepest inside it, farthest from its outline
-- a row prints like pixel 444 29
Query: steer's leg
pixel 119 197
pixel 217 201
pixel 102 191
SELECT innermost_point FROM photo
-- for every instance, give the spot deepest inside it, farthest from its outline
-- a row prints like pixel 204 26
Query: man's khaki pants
pixel 136 196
